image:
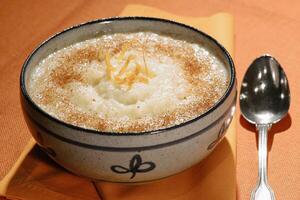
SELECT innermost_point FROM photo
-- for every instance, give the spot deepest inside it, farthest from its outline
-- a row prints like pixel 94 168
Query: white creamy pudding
pixel 133 82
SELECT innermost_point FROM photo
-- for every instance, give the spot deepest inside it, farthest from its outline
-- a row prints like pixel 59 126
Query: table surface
pixel 263 26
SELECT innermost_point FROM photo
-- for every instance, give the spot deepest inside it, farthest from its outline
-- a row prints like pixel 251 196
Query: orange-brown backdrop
pixel 263 26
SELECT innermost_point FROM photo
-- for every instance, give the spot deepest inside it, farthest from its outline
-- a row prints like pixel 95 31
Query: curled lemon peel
pixel 137 70
pixel 109 67
pixel 123 51
pixel 125 76
pixel 124 67
pixel 119 80
pixel 100 54
pixel 151 74
pixel 142 79
pixel 146 71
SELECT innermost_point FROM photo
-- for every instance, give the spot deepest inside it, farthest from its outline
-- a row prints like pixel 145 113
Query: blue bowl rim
pixel 139 18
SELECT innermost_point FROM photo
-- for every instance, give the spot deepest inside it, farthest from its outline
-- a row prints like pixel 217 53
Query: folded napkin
pixel 35 176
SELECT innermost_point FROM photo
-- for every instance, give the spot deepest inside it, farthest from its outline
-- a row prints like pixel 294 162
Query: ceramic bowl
pixel 128 157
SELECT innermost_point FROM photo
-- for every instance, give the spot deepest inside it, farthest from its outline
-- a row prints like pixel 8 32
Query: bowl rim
pixel 134 18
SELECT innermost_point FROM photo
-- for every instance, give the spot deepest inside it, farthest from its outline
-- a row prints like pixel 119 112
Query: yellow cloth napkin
pixel 34 176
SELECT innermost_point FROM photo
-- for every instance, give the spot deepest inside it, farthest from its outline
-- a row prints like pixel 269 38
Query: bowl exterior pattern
pixel 128 157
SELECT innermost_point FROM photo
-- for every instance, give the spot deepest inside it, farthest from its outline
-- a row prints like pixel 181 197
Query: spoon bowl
pixel 264 100
pixel 265 93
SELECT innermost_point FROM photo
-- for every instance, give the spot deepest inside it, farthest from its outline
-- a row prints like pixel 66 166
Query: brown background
pixel 260 27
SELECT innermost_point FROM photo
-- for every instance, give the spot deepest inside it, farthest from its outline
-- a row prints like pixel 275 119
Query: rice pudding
pixel 133 82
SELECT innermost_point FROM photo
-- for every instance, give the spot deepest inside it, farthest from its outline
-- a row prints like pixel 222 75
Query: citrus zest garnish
pixel 137 69
pixel 151 74
pixel 125 76
pixel 100 54
pixel 109 67
pixel 141 68
pixel 142 79
pixel 147 72
pixel 146 69
pixel 119 80
pixel 130 78
pixel 124 67
pixel 123 51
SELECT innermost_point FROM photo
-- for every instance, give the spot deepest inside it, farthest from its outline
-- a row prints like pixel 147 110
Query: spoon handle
pixel 262 191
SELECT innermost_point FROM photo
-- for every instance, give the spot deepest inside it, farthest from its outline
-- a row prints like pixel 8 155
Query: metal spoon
pixel 264 100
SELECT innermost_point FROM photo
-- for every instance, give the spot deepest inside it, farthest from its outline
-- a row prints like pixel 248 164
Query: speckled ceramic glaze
pixel 128 157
